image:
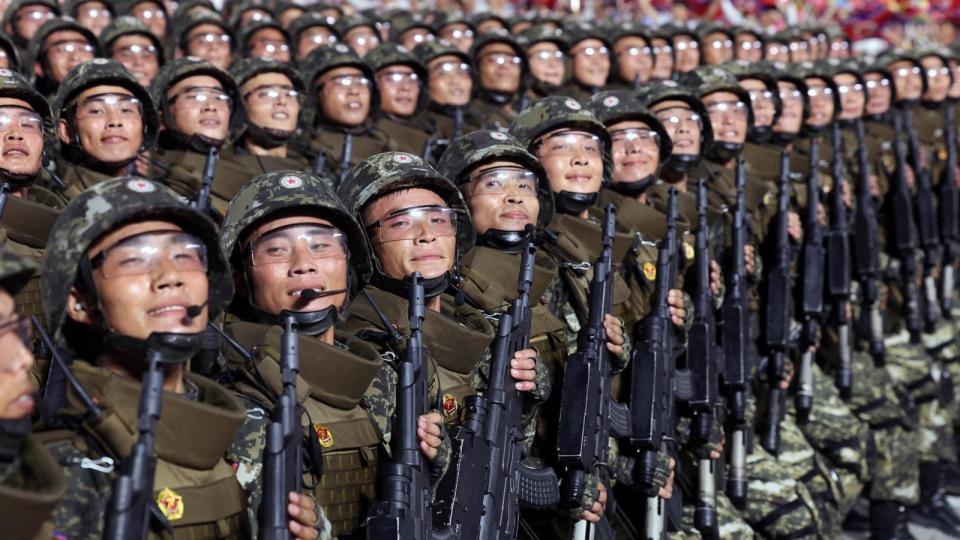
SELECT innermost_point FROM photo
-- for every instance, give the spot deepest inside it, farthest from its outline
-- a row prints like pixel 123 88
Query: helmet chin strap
pixel 723 151
pixel 311 323
pixel 760 134
pixel 568 202
pixel 682 163
pixel 507 241
pixel 432 287
pixel 634 188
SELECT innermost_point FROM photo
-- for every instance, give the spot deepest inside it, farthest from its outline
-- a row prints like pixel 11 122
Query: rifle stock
pixel 904 237
pixel 811 299
pixel 866 250
pixel 839 269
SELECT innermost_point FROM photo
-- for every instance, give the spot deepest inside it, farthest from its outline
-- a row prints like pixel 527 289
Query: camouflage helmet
pixel 181 68
pixel 705 30
pixel 103 208
pixel 280 193
pixel 127 25
pixel 657 91
pixel 582 31
pixel 388 172
pixel 15 85
pixel 706 80
pixel 540 34
pixel 481 18
pixel 15 270
pixel 246 34
pixel 237 9
pixel 190 5
pixel 308 20
pixel 822 71
pixel 37 43
pixel 480 147
pixel 429 51
pixel 630 29
pixel 615 106
pixel 104 72
pixel 184 22
pixel 349 22
pixel 405 22
pixel 489 39
pixel 71 7
pixel 673 30
pixel 393 54
pixel 327 57
pixel 13 53
pixel 17 5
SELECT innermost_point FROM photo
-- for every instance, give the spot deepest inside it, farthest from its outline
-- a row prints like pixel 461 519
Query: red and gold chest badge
pixel 649 271
pixel 450 405
pixel 170 504
pixel 688 251
pixel 323 435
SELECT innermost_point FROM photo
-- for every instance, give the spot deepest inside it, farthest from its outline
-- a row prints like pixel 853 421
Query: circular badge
pixel 402 158
pixel 100 61
pixel 141 186
pixel 341 48
pixel 291 182
pixel 611 101
pixel 688 251
pixel 649 271
pixel 573 104
pixel 496 135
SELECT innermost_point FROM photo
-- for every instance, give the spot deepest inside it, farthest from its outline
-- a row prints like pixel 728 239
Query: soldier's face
pixel 140 303
pixel 344 94
pixel 281 262
pixel 210 42
pixel 269 43
pixel 450 81
pixel 546 62
pixel 21 137
pixel 852 97
pixel 404 244
pixel 573 160
pixel 908 78
pixel 799 51
pixel 289 15
pixel 791 118
pixel 198 107
pixel 761 101
pixel 840 48
pixel 16 384
pixel 502 195
pixel 728 116
pixel 29 19
pixel 313 37
pixel 662 59
pixel 879 93
pixel 634 58
pixel 499 68
pixel 109 123
pixel 636 151
pixel 686 53
pixel 94 15
pixel 138 54
pixel 415 36
pixel 152 15
pixel 591 62
pixel 491 26
pixel 399 90
pixel 776 52
pixel 458 34
pixel 748 47
pixel 938 78
pixel 64 50
pixel 717 48
pixel 683 125
pixel 821 102
pixel 362 39
pixel 269 101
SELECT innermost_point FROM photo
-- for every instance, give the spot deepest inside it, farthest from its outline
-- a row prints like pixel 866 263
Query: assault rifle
pixel 866 250
pixel 404 510
pixel 481 494
pixel 927 228
pixel 811 293
pixel 702 359
pixel 734 340
pixel 345 158
pixel 904 237
pixel 949 200
pixel 132 505
pixel 584 422
pixel 202 202
pixel 653 370
pixel 839 268
pixel 777 327
pixel 430 150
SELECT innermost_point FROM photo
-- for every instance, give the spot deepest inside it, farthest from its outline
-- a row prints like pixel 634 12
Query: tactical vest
pixel 76 179
pixel 408 135
pixel 252 164
pixel 365 143
pixel 182 171
pixel 331 385
pixel 194 486
pixel 28 498
pixel 456 340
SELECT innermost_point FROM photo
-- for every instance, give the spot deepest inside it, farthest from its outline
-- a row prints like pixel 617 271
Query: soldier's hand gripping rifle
pixel 404 510
pixel 777 326
pixel 734 340
pixel 702 362
pixel 202 202
pixel 481 493
pixel 811 293
pixel 927 229
pixel 132 505
pixel 652 383
pixel 866 250
pixel 904 237
pixel 949 200
pixel 839 269
pixel 583 429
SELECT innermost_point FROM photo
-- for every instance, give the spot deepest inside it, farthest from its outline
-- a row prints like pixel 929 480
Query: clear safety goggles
pixel 28 121
pixel 410 223
pixel 634 136
pixel 570 143
pixel 146 252
pixel 504 180
pixel 271 93
pixel 282 245
pixel 101 106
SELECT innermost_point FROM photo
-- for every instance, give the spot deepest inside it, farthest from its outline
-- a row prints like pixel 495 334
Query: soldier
pixel 31 483
pixel 409 31
pixel 130 42
pixel 401 81
pixel 662 49
pixel 776 49
pixel 241 14
pixel 343 94
pixel 546 53
pixel 686 48
pixel 205 35
pixel 359 33
pixel 840 46
pixel 131 261
pixel 287 12
pixel 58 46
pixel 460 33
pixel 265 39
pixel 633 52
pixel 590 54
pixel 285 232
pixel 451 86
pixel 94 15
pixel 499 67
pixel 309 31
pixel 23 18
pixel 151 13
pixel 717 45
pixel 747 45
